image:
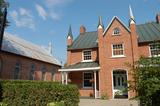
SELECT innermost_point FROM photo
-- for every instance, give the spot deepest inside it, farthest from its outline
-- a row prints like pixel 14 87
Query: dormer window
pixel 87 55
pixel 116 31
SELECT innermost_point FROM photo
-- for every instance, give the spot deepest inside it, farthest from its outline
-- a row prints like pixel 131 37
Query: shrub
pixel 104 96
pixel 37 93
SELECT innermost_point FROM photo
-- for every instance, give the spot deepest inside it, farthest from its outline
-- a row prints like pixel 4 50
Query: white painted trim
pixel 81 69
pixel 113 81
pixel 62 77
pixel 83 56
pixel 114 31
pixel 66 76
pixel 116 34
pixel 95 84
pixel 69 37
pixel 150 55
pixel 83 80
pixel 132 22
pixel 112 84
pixel 87 61
pixel 100 27
pixel 119 56
pixel 115 56
pixel 149 51
pixel 111 23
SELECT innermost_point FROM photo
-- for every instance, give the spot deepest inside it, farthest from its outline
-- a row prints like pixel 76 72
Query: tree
pixel 146 75
pixel 3 5
pixel 3 21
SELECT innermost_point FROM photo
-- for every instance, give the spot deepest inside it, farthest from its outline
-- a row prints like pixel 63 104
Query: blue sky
pixel 44 21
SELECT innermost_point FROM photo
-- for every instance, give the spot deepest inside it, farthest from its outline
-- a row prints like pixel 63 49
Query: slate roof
pixel 16 45
pixel 147 32
pixel 86 40
pixel 82 65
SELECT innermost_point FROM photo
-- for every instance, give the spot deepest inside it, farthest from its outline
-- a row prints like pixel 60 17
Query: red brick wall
pixel 143 49
pixel 77 78
pixel 109 63
pixel 75 56
pixel 8 66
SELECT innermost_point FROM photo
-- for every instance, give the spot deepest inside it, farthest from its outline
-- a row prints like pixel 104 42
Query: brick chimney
pixel 158 18
pixel 82 29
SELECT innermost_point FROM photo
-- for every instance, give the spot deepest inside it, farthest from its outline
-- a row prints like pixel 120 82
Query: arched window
pixel 31 73
pixel 43 70
pixel 17 70
pixel 53 76
pixel 116 31
pixel 53 72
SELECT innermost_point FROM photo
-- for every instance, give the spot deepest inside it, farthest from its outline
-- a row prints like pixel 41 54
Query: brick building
pixel 20 59
pixel 96 60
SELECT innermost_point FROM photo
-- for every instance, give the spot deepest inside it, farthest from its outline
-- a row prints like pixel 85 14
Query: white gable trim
pixel 112 22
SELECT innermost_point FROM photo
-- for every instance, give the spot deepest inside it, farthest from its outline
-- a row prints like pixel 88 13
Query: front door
pixel 120 84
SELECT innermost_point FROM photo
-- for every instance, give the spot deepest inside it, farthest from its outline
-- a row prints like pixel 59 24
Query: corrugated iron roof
pixel 86 40
pixel 22 47
pixel 147 32
pixel 82 65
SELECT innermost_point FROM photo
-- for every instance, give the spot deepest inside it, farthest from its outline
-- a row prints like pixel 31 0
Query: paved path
pixel 99 102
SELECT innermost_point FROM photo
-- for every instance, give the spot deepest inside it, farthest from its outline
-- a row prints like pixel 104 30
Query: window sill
pixel 87 61
pixel 154 56
pixel 116 34
pixel 120 56
pixel 87 88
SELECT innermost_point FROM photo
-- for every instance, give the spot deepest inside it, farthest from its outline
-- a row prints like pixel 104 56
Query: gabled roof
pixel 114 18
pixel 16 45
pixel 85 41
pixel 148 32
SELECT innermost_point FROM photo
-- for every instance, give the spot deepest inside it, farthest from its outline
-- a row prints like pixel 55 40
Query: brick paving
pixel 99 102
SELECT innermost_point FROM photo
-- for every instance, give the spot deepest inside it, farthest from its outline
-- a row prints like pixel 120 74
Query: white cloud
pixel 53 6
pixel 54 16
pixel 42 13
pixel 57 2
pixel 23 18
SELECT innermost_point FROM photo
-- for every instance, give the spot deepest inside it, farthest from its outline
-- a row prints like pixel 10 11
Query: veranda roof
pixel 82 66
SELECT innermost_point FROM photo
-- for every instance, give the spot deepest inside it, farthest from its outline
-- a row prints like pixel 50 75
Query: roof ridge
pixel 21 39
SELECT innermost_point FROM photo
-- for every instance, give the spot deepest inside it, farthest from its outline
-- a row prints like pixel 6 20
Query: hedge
pixel 37 93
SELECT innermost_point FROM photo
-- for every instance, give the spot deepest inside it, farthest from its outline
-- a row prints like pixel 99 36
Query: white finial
pixel 131 15
pixel 50 47
pixel 100 23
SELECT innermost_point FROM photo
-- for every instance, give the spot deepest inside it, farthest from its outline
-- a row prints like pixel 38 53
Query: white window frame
pixel 113 32
pixel 150 54
pixel 83 56
pixel 122 49
pixel 84 79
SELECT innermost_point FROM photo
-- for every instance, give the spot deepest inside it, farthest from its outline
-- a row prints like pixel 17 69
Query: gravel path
pixel 99 102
